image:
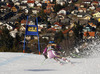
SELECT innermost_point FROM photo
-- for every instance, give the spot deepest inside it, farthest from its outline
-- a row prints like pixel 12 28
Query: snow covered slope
pixel 20 63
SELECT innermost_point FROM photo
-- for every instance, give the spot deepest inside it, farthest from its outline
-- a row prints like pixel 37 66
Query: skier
pixel 51 51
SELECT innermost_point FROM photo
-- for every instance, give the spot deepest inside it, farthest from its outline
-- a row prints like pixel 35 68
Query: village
pixel 67 22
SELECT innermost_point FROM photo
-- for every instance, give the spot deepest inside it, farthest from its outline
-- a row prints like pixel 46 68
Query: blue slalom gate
pixel 31 30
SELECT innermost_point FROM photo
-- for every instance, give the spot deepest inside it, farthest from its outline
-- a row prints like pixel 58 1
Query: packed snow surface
pixel 25 63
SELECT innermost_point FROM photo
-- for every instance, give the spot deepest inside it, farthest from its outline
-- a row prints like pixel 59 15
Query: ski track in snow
pixel 24 63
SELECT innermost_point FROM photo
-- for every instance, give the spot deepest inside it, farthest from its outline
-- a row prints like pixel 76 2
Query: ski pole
pixel 43 61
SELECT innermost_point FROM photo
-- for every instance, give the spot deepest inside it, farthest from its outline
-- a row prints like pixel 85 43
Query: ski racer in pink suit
pixel 50 52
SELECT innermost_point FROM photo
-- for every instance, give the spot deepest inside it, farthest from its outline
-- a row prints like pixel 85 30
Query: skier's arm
pixel 45 50
pixel 45 53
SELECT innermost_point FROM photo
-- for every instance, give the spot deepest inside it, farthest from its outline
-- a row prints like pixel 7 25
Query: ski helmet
pixel 51 42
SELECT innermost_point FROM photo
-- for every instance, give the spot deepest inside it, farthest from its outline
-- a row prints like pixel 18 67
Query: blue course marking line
pixel 11 60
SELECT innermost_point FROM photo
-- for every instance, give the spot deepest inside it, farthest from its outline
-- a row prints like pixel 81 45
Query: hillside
pixel 19 63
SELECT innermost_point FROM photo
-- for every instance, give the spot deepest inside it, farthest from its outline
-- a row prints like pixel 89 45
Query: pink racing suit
pixel 50 53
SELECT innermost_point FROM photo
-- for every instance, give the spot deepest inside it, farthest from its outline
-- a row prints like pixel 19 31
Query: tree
pixel 78 31
pixel 6 40
pixel 42 15
pixel 57 7
pixel 16 43
pixel 8 43
pixel 48 24
pixel 59 37
pixel 67 45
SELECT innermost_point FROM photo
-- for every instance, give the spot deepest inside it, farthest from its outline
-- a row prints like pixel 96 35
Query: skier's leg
pixel 57 60
pixel 66 60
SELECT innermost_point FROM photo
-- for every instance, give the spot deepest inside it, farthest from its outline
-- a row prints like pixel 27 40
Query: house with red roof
pixel 92 25
pixel 52 29
pixel 95 3
pixel 49 8
pixel 9 5
pixel 23 22
pixel 69 32
pixel 89 35
pixel 62 11
pixel 82 10
pixel 22 28
pixel 31 3
pixel 3 9
pixel 98 9
pixel 66 31
pixel 57 26
pixel 88 31
pixel 86 1
pixel 47 2
pixel 23 1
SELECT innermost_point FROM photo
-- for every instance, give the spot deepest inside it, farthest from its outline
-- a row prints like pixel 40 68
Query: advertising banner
pixel 31 30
